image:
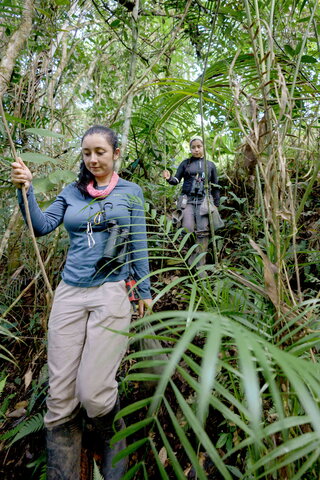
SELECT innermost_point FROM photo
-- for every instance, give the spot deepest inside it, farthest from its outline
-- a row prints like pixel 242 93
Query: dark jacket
pixel 192 170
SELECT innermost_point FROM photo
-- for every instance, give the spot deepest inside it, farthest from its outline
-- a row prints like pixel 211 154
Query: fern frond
pixel 43 475
pixel 31 425
pixel 10 433
pixel 96 473
pixel 2 384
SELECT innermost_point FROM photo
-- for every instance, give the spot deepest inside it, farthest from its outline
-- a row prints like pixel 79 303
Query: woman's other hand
pixel 144 305
pixel 166 174
pixel 20 174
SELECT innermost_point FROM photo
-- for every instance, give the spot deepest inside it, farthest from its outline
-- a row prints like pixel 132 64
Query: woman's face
pixel 196 148
pixel 99 157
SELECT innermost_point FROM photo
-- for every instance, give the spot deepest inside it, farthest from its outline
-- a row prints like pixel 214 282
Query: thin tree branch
pixel 26 204
pixel 174 34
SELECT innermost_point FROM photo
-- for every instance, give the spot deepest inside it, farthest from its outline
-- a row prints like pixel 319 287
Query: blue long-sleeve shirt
pixel 82 214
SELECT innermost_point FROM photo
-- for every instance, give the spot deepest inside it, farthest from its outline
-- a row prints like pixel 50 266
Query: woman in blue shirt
pixel 83 355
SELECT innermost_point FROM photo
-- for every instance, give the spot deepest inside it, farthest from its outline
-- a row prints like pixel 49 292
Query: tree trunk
pixel 14 46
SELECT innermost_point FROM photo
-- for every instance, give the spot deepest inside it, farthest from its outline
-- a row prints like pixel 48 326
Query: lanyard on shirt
pixel 97 220
pixel 101 213
pixel 200 171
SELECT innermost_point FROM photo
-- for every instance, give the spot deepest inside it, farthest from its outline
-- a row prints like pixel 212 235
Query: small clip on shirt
pixel 91 240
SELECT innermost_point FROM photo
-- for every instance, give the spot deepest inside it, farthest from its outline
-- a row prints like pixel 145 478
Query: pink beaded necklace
pixel 94 192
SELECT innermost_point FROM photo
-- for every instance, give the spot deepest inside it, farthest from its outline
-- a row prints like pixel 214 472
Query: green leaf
pixel 163 474
pixel 179 232
pixel 214 401
pixel 304 19
pixel 131 473
pixel 115 23
pixel 192 302
pixel 152 363
pixel 235 471
pixel 302 5
pixel 298 48
pixel 2 384
pixel 289 50
pixel 65 176
pixel 308 464
pixel 167 288
pixel 222 440
pixel 11 118
pixel 46 13
pixel 308 59
pixel 142 377
pixel 42 185
pixel 62 2
pixel 175 464
pixel 185 442
pixel 148 353
pixel 201 434
pixel 36 158
pixel 134 427
pixel 43 132
pixel 249 378
pixel 157 69
pixel 303 441
pixel 133 447
pixel 209 369
pixel 133 407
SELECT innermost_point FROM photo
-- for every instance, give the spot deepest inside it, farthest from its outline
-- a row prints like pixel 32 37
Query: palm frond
pixel 255 370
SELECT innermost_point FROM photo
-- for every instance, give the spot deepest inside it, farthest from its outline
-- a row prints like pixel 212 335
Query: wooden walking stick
pixel 26 205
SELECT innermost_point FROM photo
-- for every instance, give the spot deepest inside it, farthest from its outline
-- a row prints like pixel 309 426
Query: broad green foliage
pixel 239 395
pixel 239 375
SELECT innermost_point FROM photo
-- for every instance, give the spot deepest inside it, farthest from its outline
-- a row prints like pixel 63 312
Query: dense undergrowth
pixel 231 393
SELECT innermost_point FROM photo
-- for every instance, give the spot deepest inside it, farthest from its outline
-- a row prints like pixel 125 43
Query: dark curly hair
pixel 85 176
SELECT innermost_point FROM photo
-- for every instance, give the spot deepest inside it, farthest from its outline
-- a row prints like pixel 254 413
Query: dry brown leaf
pixel 27 378
pixel 19 412
pixel 170 279
pixel 269 271
pixel 22 404
pixel 285 215
pixel 202 458
pixel 247 283
pixel 163 456
pixel 187 470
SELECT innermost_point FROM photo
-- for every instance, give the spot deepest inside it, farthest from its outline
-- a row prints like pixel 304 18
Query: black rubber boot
pixel 105 428
pixel 64 450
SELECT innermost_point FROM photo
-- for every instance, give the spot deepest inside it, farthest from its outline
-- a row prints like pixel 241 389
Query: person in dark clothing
pixel 193 172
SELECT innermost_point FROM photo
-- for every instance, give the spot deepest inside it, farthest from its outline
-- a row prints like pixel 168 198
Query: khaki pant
pixel 83 356
pixel 192 221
